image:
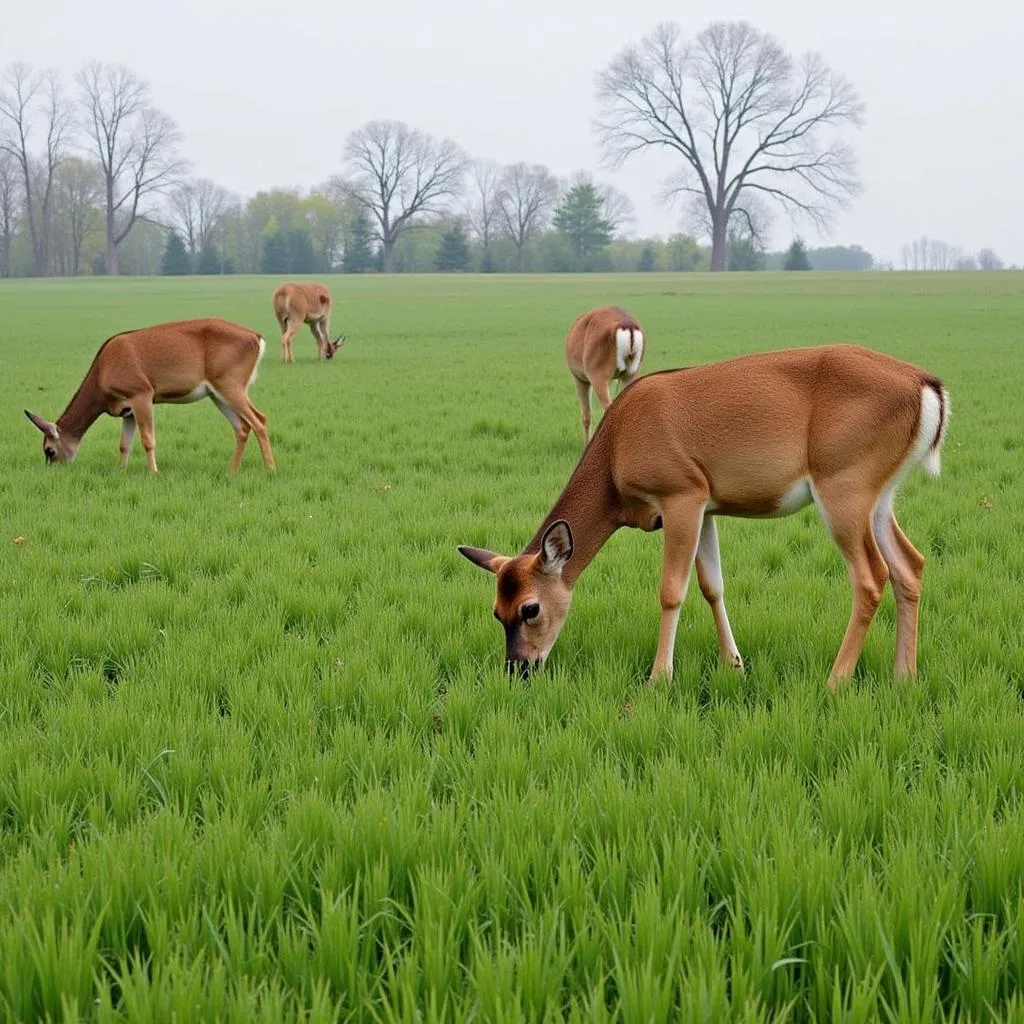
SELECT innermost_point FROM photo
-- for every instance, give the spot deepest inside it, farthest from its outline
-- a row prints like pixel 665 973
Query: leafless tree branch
pixel 136 145
pixel 740 113
pixel 400 175
pixel 526 195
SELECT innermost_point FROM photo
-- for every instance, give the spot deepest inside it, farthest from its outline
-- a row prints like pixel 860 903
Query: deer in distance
pixel 755 436
pixel 296 304
pixel 603 345
pixel 176 362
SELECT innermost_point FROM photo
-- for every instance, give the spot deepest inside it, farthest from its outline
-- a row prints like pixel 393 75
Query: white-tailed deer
pixel 298 304
pixel 603 345
pixel 756 436
pixel 173 362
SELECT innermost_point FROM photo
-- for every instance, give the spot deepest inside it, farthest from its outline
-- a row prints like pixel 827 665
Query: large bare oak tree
pixel 745 117
pixel 24 96
pixel 135 143
pixel 398 175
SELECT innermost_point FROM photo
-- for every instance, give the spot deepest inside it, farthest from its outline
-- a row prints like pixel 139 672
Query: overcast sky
pixel 265 92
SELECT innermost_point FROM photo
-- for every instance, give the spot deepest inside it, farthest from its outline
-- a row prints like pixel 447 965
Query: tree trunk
pixel 719 222
pixel 389 255
pixel 111 243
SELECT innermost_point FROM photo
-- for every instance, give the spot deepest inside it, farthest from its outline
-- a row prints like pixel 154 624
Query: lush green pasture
pixel 259 758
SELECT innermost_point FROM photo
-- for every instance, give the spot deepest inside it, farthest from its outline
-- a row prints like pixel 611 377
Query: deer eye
pixel 529 611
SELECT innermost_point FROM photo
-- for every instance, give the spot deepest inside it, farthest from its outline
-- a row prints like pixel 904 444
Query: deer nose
pixel 519 668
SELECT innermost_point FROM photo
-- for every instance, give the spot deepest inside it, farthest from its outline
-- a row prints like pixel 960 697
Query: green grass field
pixel 259 758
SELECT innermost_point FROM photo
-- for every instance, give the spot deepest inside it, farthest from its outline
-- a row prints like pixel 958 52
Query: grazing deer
pixel 756 436
pixel 296 304
pixel 173 362
pixel 603 345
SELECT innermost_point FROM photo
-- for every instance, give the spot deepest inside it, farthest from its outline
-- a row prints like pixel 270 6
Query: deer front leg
pixel 142 409
pixel 127 436
pixel 681 522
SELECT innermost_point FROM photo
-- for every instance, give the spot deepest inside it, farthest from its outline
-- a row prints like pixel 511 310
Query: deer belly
pixel 765 506
pixel 201 390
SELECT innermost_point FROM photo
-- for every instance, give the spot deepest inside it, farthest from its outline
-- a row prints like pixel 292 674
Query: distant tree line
pixel 93 180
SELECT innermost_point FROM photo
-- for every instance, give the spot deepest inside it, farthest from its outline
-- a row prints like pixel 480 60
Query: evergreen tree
pixel 175 258
pixel 796 256
pixel 578 218
pixel 647 261
pixel 209 259
pixel 453 250
pixel 301 255
pixel 743 253
pixel 359 256
pixel 275 251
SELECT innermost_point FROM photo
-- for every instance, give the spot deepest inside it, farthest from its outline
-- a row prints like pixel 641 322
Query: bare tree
pixel 136 144
pixel 23 96
pixel 742 114
pixel 8 209
pixel 196 208
pixel 78 196
pixel 483 208
pixel 527 195
pixel 399 175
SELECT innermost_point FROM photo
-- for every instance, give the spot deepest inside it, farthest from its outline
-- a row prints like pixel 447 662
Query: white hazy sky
pixel 266 92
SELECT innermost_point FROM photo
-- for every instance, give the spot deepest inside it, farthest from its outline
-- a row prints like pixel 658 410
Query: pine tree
pixel 275 252
pixel 578 218
pixel 301 256
pixel 647 261
pixel 358 257
pixel 175 259
pixel 796 256
pixel 209 259
pixel 453 250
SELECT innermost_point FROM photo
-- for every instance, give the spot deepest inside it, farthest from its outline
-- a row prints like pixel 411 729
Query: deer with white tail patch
pixel 758 436
pixel 603 345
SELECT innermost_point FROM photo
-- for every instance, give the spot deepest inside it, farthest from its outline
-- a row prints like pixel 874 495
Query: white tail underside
pixel 629 349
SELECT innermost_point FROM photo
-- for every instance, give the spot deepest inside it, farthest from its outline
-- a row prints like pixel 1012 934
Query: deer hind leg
pixel 682 519
pixel 906 566
pixel 600 384
pixel 142 412
pixel 127 437
pixel 583 393
pixel 244 417
pixel 712 586
pixel 291 328
pixel 848 516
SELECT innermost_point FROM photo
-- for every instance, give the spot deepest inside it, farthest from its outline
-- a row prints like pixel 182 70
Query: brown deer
pixel 755 436
pixel 603 345
pixel 173 362
pixel 296 304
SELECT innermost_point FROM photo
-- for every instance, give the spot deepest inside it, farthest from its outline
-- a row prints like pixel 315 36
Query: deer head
pixel 332 346
pixel 56 448
pixel 533 598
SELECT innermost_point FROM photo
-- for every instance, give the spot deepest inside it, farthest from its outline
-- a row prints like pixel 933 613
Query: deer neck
pixel 84 409
pixel 589 504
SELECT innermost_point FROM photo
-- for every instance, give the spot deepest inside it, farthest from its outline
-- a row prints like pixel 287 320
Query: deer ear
pixel 48 428
pixel 555 546
pixel 489 560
